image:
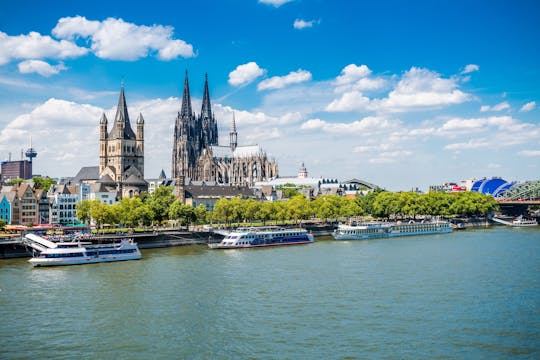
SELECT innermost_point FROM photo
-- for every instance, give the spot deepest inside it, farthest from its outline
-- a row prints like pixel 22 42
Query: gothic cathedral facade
pixel 197 155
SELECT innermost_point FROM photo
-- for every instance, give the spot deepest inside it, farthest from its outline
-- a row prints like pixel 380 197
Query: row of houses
pixel 24 204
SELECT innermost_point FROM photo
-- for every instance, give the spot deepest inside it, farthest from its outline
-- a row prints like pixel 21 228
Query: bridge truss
pixel 529 190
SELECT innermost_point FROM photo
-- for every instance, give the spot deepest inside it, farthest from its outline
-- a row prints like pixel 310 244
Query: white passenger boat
pixel 48 253
pixel 263 236
pixel 383 230
pixel 520 221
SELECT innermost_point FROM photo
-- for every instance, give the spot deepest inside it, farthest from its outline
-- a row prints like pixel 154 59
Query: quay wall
pixel 12 248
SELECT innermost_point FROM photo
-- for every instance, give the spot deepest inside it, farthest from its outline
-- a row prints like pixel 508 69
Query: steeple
pixel 186 100
pixel 122 127
pixel 206 110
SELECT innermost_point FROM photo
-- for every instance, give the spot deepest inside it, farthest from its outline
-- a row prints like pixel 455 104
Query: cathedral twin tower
pixel 196 154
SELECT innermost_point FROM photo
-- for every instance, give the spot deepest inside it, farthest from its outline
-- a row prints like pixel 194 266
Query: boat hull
pixel 42 262
pixel 389 231
pixel 247 246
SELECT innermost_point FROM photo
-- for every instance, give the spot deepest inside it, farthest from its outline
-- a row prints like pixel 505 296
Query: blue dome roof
pixel 493 186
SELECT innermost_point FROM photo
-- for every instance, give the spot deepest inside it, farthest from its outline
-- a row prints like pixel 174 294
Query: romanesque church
pixel 121 152
pixel 197 155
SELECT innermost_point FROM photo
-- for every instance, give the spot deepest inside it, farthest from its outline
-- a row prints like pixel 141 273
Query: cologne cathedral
pixel 197 155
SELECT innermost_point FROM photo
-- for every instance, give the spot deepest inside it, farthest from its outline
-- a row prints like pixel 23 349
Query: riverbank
pixel 12 248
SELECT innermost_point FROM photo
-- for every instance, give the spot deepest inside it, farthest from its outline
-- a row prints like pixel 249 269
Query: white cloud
pixel 367 125
pixel 278 82
pixel 40 67
pixel 530 153
pixel 62 131
pixel 349 101
pixel 300 24
pixel 421 89
pixel 245 74
pixel 119 40
pixel 276 3
pixel 36 46
pixel 499 107
pixel 356 78
pixel 418 89
pixel 470 68
pixel 471 144
pixel 351 73
pixel 531 105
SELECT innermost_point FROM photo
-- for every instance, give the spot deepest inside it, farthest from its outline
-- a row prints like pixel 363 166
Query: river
pixel 469 294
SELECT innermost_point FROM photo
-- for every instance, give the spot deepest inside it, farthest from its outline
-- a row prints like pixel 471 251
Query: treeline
pixel 379 204
pixel 146 210
pixel 162 206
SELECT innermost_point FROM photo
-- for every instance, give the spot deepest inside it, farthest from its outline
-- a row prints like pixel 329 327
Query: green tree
pixel 222 211
pixel 134 212
pixel 385 205
pixel 298 208
pixel 350 207
pixel 16 181
pixel 160 201
pixel 327 207
pixel 184 213
pixel 366 201
pixel 201 214
pixel 83 211
pixel 43 183
pixel 251 209
pixel 265 212
pixel 2 225
pixel 100 212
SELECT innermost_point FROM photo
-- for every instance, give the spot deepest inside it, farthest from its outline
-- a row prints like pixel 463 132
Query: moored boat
pixel 48 253
pixel 376 230
pixel 262 237
pixel 520 221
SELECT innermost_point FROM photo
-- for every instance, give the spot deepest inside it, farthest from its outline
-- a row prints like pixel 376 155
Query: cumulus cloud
pixel 62 131
pixel 470 68
pixel 276 3
pixel 531 105
pixel 245 74
pixel 36 46
pixel 356 78
pixel 418 89
pixel 300 24
pixel 530 153
pixel 351 73
pixel 279 82
pixel 117 39
pixel 370 124
pixel 471 144
pixel 499 107
pixel 423 89
pixel 349 101
pixel 40 67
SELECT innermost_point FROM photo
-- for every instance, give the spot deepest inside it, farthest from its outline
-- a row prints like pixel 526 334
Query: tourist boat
pixel 376 230
pixel 520 221
pixel 48 253
pixel 262 237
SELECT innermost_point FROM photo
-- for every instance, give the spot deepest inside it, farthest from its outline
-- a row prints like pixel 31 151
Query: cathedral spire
pixel 206 110
pixel 186 100
pixel 233 135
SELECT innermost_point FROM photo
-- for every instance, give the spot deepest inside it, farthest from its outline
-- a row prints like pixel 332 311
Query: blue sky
pixel 401 94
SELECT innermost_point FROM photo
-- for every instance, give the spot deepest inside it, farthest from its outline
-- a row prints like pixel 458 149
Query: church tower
pixel 208 121
pixel 185 143
pixel 121 151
